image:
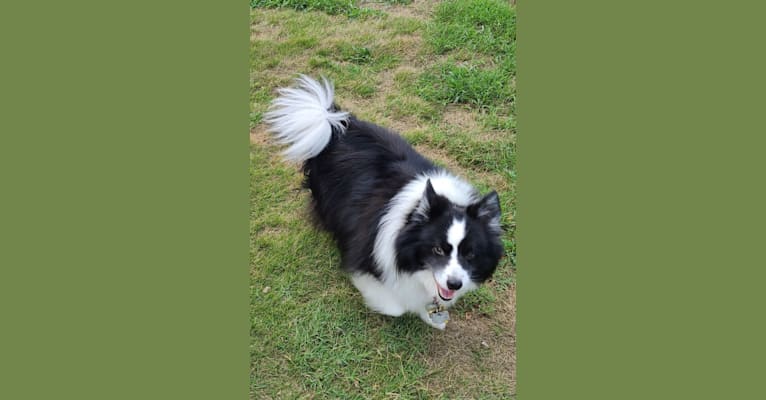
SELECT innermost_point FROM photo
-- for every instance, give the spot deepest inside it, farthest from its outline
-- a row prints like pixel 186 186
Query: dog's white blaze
pixel 301 118
pixel 401 205
pixel 455 235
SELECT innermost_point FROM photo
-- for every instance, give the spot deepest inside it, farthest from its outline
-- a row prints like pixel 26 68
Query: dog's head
pixel 460 245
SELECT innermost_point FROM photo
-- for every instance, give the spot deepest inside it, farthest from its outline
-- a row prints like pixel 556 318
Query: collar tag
pixel 437 313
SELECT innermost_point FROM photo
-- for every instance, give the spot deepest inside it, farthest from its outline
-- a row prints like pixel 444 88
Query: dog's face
pixel 461 246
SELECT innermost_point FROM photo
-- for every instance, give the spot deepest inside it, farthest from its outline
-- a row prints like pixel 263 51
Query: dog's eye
pixel 438 251
pixel 469 255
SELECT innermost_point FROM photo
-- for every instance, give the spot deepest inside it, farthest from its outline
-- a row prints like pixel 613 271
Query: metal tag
pixel 440 317
pixel 437 313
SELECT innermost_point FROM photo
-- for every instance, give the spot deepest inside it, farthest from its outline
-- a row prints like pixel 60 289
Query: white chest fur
pixel 408 293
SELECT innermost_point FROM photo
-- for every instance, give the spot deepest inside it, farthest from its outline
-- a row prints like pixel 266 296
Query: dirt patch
pixel 407 48
pixel 476 347
pixel 486 135
pixel 417 9
pixel 263 29
pixel 457 116
pixel 259 135
pixel 443 158
pixel 404 125
pixel 408 69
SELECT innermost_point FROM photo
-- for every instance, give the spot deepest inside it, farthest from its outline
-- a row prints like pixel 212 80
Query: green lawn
pixel 443 75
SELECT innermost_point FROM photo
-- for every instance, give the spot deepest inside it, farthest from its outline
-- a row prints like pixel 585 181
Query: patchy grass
pixel 448 83
pixel 479 36
pixel 349 8
pixel 484 26
pixel 396 65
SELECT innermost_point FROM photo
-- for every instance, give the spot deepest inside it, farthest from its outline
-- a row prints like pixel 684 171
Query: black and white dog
pixel 413 236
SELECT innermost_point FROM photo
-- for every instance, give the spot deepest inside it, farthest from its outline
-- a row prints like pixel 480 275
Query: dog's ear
pixel 431 204
pixel 487 210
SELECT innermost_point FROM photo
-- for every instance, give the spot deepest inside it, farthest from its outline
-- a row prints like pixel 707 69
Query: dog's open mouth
pixel 445 294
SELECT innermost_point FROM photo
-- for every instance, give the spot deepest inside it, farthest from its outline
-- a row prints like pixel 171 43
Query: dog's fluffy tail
pixel 303 118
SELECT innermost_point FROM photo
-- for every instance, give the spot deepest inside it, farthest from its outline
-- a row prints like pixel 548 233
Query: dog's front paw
pixel 440 327
pixel 438 320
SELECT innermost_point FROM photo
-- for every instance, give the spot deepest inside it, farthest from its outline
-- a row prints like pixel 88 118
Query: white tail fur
pixel 301 118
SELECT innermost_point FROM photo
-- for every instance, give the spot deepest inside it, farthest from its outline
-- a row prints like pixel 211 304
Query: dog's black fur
pixel 409 232
pixel 354 178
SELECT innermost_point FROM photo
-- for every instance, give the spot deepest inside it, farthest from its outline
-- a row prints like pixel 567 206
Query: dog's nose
pixel 454 284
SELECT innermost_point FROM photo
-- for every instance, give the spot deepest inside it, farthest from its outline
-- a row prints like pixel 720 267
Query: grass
pixel 349 8
pixel 404 65
pixel 484 26
pixel 449 83
pixel 480 37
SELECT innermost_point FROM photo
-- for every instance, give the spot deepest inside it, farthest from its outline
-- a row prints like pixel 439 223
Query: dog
pixel 413 236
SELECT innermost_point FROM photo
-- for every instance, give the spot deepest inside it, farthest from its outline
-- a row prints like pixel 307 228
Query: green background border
pixel 641 195
pixel 124 216
pixel 123 159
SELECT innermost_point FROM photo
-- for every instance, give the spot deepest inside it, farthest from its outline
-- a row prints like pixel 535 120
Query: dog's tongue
pixel 446 293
